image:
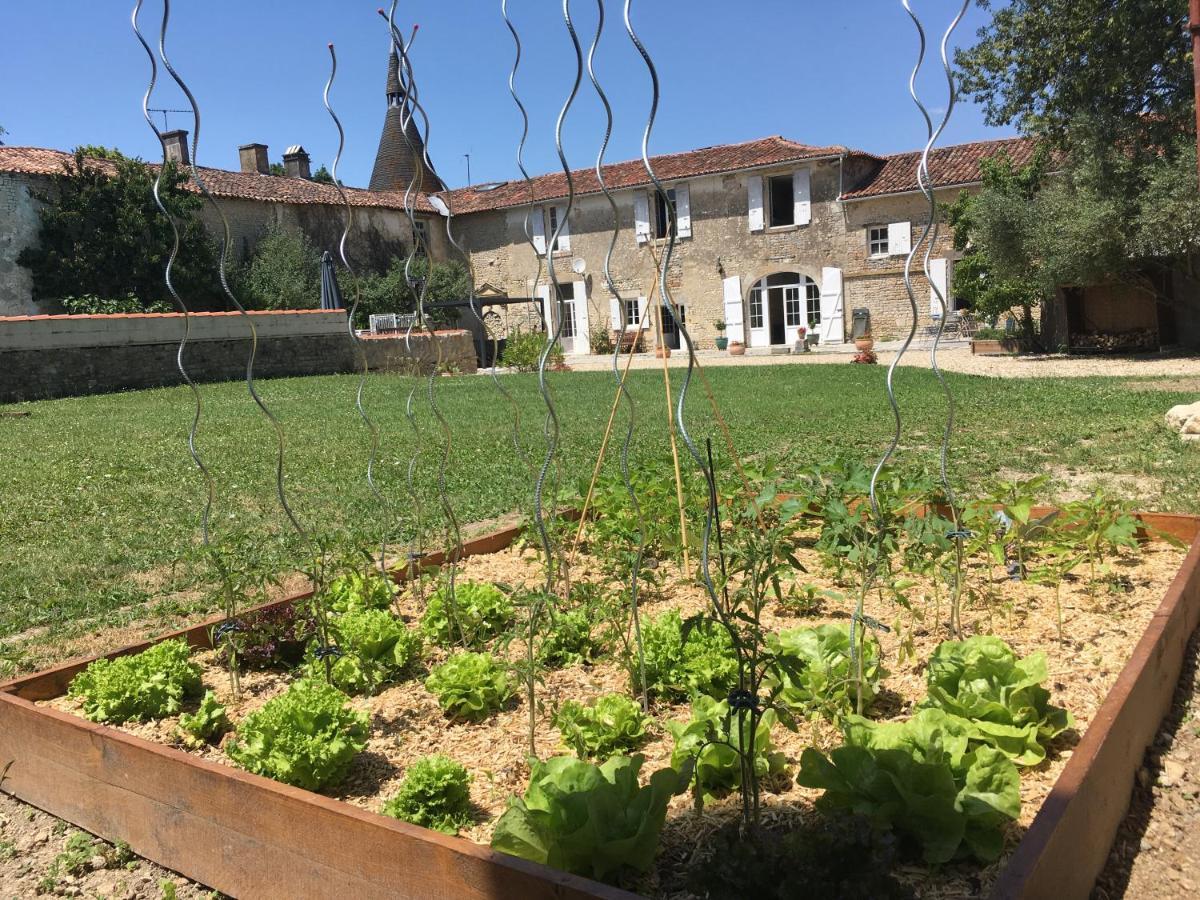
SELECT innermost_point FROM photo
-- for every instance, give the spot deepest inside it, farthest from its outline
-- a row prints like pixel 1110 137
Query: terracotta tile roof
pixel 948 166
pixel 694 163
pixel 222 183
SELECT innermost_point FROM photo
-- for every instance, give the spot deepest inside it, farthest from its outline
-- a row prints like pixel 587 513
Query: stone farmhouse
pixel 772 235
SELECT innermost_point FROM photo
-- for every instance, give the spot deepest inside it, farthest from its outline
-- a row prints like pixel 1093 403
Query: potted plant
pixel 801 340
pixel 737 348
pixel 662 351
pixel 722 341
pixel 864 343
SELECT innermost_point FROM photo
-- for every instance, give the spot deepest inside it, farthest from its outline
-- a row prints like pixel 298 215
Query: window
pixel 421 236
pixel 553 213
pixel 877 240
pixel 633 316
pixel 566 296
pixel 791 307
pixel 812 293
pixel 756 308
pixel 783 200
pixel 664 213
pixel 668 318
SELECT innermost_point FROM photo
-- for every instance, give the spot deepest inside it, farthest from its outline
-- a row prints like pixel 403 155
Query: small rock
pixel 1173 770
pixel 97 862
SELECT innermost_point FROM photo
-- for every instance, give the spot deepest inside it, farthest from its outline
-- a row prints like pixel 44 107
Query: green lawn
pixel 99 501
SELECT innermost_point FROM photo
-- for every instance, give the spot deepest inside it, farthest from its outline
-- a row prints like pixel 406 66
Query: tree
pixel 276 168
pixel 1105 72
pixel 283 273
pixel 322 176
pixel 101 235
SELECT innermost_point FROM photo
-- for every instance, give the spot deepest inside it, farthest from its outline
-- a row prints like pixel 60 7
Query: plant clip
pixel 962 534
pixel 742 700
pixel 331 650
pixel 871 622
pixel 225 629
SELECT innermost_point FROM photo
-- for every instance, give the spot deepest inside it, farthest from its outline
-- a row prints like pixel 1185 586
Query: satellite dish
pixel 578 266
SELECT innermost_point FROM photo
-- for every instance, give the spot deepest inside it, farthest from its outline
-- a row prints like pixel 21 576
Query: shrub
pixel 524 349
pixel 91 305
pixel 590 820
pixel 709 738
pixel 600 341
pixel 704 664
pixel 147 685
pixel 820 679
pixel 374 648
pixel 470 686
pixel 614 723
pixel 981 680
pixel 480 611
pixel 435 793
pixel 306 737
pixel 207 722
pixel 284 272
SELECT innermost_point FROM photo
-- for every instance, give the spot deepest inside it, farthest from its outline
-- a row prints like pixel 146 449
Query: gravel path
pixel 1157 851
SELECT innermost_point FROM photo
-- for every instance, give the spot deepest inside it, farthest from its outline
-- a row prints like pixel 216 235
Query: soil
pixel 1101 628
pixel 1157 850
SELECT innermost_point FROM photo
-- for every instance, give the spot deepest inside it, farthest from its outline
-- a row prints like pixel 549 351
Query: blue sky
pixel 817 72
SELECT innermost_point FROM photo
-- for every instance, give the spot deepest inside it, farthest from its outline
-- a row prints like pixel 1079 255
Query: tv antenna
pixel 165 112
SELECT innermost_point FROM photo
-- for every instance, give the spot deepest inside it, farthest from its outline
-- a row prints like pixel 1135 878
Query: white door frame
pixel 574 309
pixel 791 333
pixel 760 335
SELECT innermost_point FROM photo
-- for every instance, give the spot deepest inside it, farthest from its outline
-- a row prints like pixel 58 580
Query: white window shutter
pixel 939 297
pixel 683 211
pixel 615 315
pixel 537 227
pixel 832 306
pixel 581 310
pixel 733 309
pixel 754 196
pixel 543 292
pixel 899 238
pixel 564 234
pixel 802 196
pixel 643 314
pixel 641 216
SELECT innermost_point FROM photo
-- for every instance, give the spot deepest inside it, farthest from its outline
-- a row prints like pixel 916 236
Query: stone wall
pixel 18 229
pixel 454 351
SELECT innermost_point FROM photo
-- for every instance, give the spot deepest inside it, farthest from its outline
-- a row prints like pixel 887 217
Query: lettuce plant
pixel 981 679
pixel 207 722
pixel 703 664
pixel 819 679
pixel 569 640
pixel 470 685
pixel 479 611
pixel 374 648
pixel 711 739
pixel 305 737
pixel 435 793
pixel 147 685
pixel 614 723
pixel 591 820
pixel 921 778
pixel 359 591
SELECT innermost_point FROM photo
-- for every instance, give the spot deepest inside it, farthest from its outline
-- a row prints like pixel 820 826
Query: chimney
pixel 296 163
pixel 175 143
pixel 254 159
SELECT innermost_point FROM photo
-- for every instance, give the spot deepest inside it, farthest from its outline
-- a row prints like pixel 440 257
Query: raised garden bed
pixel 1001 347
pixel 249 836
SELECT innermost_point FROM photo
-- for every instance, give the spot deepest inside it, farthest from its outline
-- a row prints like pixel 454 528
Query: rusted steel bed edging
pixel 1067 845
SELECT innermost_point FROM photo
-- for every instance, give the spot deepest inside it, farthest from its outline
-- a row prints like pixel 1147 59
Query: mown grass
pixel 100 502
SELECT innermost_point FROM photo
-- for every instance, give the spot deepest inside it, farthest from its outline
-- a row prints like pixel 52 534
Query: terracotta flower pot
pixel 737 348
pixel 662 352
pixel 863 344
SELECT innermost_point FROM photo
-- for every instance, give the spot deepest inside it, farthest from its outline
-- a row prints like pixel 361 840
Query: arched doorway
pixel 779 305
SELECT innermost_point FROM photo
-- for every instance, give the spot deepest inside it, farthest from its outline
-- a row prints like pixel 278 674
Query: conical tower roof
pixel 397 159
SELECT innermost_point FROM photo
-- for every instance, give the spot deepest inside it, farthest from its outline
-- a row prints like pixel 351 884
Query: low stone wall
pixel 42 357
pixel 390 353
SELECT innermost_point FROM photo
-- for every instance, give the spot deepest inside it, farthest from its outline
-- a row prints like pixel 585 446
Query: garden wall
pixel 43 357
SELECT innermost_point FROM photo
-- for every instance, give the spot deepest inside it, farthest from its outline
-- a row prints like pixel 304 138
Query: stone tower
pixel 397 159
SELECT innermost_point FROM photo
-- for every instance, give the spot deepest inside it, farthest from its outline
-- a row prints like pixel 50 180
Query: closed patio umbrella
pixel 331 294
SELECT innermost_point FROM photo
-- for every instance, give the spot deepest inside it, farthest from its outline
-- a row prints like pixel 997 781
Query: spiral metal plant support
pixel 197 414
pixel 453 534
pixel 360 350
pixel 747 701
pixel 617 375
pixel 222 264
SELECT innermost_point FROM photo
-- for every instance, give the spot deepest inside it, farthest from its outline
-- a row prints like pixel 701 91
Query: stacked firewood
pixel 1112 341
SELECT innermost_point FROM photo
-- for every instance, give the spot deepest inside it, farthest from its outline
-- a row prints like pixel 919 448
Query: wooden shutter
pixel 899 238
pixel 733 309
pixel 537 227
pixel 938 283
pixel 643 314
pixel 754 196
pixel 683 210
pixel 802 196
pixel 615 313
pixel 582 331
pixel 832 306
pixel 564 234
pixel 641 216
